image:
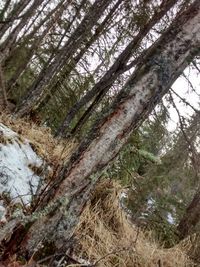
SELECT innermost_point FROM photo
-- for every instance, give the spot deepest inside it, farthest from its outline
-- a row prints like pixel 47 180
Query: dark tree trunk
pixel 36 91
pixel 14 15
pixel 8 44
pixel 70 67
pixel 3 11
pixel 191 217
pixel 166 60
pixel 57 10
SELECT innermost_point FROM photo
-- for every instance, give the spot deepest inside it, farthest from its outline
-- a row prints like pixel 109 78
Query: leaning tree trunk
pixel 8 45
pixel 4 9
pixel 77 39
pixel 13 16
pixel 191 217
pixel 165 61
pixel 102 87
pixel 71 66
pixel 54 15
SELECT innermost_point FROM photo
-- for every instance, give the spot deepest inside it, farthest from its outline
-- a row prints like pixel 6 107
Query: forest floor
pixel 105 235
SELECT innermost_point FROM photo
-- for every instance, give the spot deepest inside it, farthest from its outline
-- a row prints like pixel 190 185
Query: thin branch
pixel 185 101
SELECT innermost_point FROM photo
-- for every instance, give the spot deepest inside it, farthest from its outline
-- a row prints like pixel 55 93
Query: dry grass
pixel 109 238
pixel 106 236
pixel 54 151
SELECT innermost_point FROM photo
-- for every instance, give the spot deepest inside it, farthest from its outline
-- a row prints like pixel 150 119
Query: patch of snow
pixel 150 203
pixel 170 218
pixel 16 178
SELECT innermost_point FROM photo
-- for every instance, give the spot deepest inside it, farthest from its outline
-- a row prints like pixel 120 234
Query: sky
pixel 183 88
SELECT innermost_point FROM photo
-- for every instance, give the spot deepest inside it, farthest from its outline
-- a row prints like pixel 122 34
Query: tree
pixel 163 62
pixel 79 36
pixel 120 66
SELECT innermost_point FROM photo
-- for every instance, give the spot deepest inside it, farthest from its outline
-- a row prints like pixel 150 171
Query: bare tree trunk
pixel 101 88
pixel 14 15
pixel 191 217
pixel 77 58
pixel 3 11
pixel 36 91
pixel 166 60
pixel 7 45
pixel 58 10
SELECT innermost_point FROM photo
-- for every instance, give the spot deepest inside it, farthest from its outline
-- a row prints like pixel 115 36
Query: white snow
pixel 170 219
pixel 16 178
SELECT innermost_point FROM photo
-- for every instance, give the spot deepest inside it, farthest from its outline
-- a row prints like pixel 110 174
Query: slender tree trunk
pixel 166 60
pixel 36 44
pixel 191 217
pixel 101 88
pixel 8 44
pixel 5 8
pixel 70 67
pixel 15 13
pixel 36 91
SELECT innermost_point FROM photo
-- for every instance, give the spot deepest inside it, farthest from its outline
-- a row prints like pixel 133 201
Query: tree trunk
pixel 70 67
pixel 101 88
pixel 57 10
pixel 36 91
pixel 8 44
pixel 165 61
pixel 14 15
pixel 191 217
pixel 4 9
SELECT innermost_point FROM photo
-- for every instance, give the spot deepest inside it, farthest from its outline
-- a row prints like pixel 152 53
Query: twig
pixel 185 101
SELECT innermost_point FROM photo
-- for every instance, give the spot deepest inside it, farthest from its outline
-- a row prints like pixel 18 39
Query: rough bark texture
pixel 119 67
pixel 166 60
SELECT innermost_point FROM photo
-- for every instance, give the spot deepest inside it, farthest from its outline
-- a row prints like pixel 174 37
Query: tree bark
pixel 191 217
pixel 102 87
pixel 36 91
pixel 8 44
pixel 54 15
pixel 165 61
pixel 14 15
pixel 70 67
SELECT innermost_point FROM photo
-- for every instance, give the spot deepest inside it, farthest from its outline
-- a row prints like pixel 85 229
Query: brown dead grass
pixel 54 151
pixel 105 234
pixel 108 238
